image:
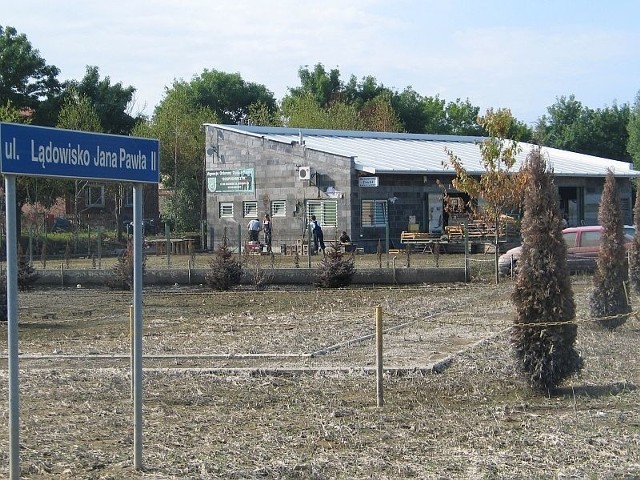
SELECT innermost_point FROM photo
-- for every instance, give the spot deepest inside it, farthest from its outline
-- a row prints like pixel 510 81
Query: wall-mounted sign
pixel 231 181
pixel 368 181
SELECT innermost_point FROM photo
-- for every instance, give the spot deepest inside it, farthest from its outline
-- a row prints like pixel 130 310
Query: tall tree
pixel 571 126
pixel 110 102
pixel 544 332
pixel 324 87
pixel 633 129
pixel 378 115
pixel 409 106
pixel 78 113
pixel 25 78
pixel 462 119
pixel 304 112
pixel 177 123
pixel 609 302
pixel 228 95
pixel 634 250
pixel 8 113
pixel 499 186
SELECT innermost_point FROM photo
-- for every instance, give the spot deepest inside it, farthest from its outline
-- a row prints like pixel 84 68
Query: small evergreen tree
pixel 609 303
pixel 225 272
pixel 26 273
pixel 544 335
pixel 336 269
pixel 634 251
pixel 122 278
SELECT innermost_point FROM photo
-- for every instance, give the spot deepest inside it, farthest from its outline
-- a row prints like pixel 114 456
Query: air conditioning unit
pixel 304 173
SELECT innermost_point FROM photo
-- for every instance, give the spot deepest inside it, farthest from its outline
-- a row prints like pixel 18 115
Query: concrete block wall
pixel 276 167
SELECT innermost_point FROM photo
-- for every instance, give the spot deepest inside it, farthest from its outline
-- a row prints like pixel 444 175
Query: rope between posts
pixel 577 321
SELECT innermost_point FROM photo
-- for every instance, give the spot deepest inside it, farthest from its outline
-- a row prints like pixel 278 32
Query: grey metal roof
pixel 381 152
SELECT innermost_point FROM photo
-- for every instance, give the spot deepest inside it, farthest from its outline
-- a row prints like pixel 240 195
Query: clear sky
pixel 520 54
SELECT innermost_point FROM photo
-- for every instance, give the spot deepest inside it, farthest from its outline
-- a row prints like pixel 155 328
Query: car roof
pixel 584 228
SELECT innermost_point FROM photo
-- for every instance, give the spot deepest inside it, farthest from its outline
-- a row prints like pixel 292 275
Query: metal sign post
pixel 49 152
pixel 12 319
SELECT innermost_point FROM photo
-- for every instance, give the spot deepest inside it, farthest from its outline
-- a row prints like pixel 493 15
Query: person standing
pixel 266 228
pixel 254 228
pixel 318 236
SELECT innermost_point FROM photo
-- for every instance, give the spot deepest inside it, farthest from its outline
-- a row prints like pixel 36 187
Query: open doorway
pixel 571 205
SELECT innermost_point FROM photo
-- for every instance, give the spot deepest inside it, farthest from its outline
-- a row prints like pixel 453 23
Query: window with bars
pixel 278 208
pixel 94 196
pixel 225 209
pixel 374 213
pixel 326 212
pixel 250 209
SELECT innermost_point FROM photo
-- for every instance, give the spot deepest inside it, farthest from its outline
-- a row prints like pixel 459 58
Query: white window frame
pixel 225 209
pixel 250 209
pixel 279 208
pixel 326 212
pixel 94 196
pixel 374 213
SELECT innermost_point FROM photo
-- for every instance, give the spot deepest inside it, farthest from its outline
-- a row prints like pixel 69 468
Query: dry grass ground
pixel 231 389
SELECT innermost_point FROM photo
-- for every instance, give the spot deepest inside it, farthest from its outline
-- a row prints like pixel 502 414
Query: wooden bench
pixel 454 232
pixel 423 239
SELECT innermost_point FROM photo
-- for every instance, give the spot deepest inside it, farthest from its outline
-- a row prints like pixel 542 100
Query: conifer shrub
pixel 608 302
pixel 225 271
pixel 544 334
pixel 634 251
pixel 27 274
pixel 336 269
pixel 122 272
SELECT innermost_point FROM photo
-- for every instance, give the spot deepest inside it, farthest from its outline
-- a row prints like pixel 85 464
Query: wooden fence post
pixel 379 356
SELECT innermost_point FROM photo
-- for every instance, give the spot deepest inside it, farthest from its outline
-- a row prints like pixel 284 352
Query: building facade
pixel 372 185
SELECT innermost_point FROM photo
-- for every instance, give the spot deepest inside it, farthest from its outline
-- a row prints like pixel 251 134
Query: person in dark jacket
pixel 318 236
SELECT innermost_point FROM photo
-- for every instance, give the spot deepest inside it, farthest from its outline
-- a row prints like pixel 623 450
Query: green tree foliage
pixel 110 102
pixel 8 113
pixel 228 96
pixel 304 112
pixel 378 115
pixel 633 129
pixel 177 123
pixel 323 87
pixel 571 126
pixel 462 118
pixel 414 113
pixel 25 78
pixel 634 251
pixel 336 269
pixel 78 113
pixel 544 334
pixel 225 271
pixel 259 114
pixel 608 303
pixel 379 108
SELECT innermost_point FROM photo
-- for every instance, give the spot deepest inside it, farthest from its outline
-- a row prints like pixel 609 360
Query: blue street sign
pixel 52 152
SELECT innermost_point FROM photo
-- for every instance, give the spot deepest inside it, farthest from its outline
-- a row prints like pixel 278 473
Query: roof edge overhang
pixel 266 131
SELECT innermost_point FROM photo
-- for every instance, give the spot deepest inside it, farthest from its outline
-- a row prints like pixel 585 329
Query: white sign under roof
pixel 368 181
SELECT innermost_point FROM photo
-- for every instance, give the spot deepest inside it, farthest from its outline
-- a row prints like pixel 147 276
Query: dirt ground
pixel 281 384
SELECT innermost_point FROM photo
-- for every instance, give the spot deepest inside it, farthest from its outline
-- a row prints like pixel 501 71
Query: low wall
pixel 277 276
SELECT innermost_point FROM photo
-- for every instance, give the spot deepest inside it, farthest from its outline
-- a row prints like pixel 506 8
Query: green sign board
pixel 231 181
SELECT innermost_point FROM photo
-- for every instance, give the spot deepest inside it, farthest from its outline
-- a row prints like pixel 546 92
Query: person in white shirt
pixel 254 228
